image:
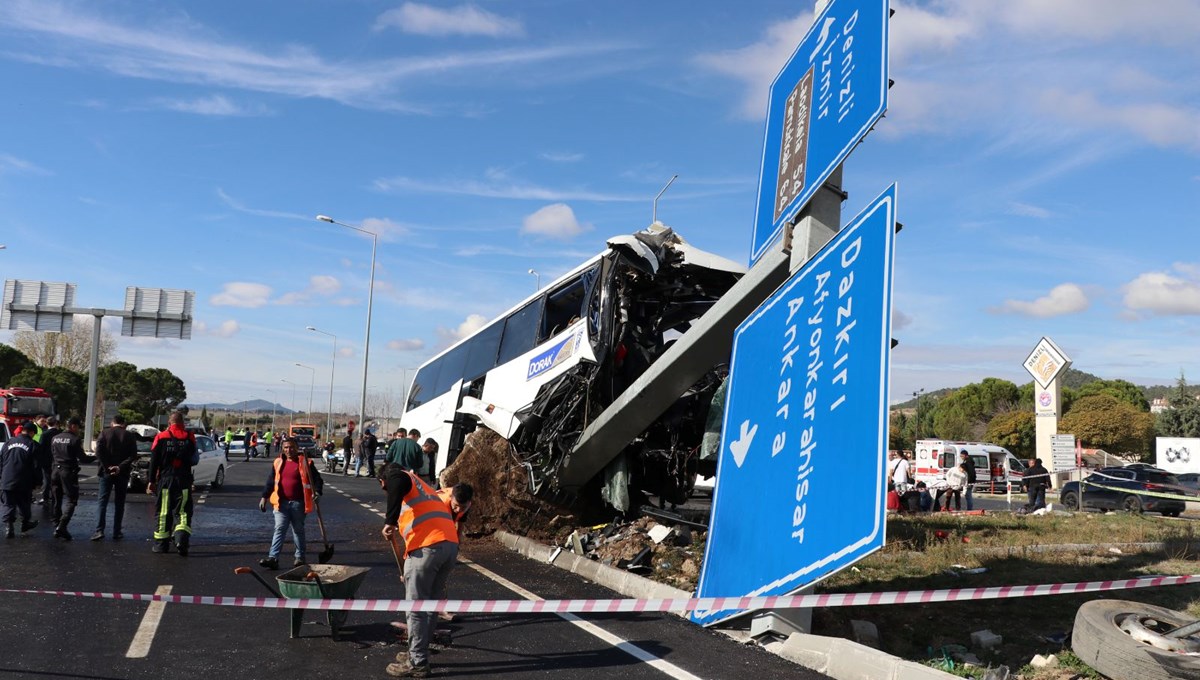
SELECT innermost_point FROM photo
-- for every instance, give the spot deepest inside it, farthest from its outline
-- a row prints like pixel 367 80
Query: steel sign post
pixel 800 481
pixel 827 97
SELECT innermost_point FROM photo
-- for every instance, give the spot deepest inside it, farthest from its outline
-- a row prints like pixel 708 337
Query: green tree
pixel 900 431
pixel 69 388
pixel 162 391
pixel 1103 421
pixel 119 382
pixel 1180 421
pixel 1016 431
pixel 1121 389
pixel 12 362
pixel 965 413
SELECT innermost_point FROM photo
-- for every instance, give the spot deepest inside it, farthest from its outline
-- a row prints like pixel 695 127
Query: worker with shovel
pixel 426 524
pixel 293 487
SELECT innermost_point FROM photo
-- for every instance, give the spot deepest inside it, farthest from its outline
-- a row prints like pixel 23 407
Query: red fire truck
pixel 22 403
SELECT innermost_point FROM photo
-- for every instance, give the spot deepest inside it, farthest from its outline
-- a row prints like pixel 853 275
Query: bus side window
pixel 520 332
pixel 422 387
pixel 484 347
pixel 562 307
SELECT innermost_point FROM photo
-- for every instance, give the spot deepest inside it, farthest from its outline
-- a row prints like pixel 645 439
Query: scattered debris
pixel 1059 638
pixel 865 633
pixel 1115 551
pixel 962 570
pixel 997 673
pixel 1040 661
pixel 985 639
pixel 659 533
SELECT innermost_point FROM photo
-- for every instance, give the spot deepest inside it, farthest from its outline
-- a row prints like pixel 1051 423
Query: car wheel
pixel 1171 513
pixel 1132 504
pixel 1071 500
pixel 1123 639
pixel 219 480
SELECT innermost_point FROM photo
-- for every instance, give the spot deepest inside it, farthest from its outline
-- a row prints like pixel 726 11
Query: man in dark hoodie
pixel 172 456
pixel 19 471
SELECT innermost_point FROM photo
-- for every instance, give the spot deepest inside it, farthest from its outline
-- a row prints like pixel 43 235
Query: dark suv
pixel 1117 488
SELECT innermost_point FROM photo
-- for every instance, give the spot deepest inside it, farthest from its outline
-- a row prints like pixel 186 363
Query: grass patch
pixel 922 549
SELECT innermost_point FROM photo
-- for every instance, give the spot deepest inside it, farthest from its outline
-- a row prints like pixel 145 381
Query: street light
pixel 292 415
pixel 312 384
pixel 917 424
pixel 274 398
pixel 362 405
pixel 538 278
pixel 332 363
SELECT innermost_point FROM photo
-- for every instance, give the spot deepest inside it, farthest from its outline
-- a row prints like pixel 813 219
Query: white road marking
pixel 140 647
pixel 591 628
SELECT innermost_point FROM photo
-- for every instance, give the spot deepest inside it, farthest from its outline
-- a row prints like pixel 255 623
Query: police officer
pixel 66 448
pixel 172 456
pixel 48 430
pixel 19 470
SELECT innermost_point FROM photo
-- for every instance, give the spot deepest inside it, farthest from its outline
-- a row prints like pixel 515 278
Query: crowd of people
pixel 959 484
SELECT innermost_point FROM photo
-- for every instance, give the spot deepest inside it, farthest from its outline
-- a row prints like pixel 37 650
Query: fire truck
pixel 22 403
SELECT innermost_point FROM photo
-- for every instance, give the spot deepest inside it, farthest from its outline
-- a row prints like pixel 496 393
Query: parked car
pixel 1190 479
pixel 237 445
pixel 210 471
pixel 1113 488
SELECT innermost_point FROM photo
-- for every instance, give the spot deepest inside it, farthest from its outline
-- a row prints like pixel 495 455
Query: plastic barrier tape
pixel 611 606
pixel 1139 492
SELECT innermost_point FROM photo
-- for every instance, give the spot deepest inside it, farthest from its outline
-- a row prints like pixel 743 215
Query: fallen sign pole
pixel 646 605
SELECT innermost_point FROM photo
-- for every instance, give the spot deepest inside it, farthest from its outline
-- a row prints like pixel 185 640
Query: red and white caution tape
pixel 626 605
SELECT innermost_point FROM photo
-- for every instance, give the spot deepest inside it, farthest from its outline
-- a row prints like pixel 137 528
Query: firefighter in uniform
pixel 171 459
pixel 427 524
pixel 67 452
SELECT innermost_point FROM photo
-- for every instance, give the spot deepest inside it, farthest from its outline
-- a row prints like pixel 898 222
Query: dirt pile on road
pixel 502 496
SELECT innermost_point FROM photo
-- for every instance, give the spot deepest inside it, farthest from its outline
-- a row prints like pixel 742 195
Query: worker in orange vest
pixel 426 522
pixel 293 488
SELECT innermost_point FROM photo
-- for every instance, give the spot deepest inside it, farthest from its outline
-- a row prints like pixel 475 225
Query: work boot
pixel 99 535
pixel 269 562
pixel 299 561
pixel 405 669
pixel 61 532
pixel 28 524
pixel 163 546
pixel 182 548
pixel 9 533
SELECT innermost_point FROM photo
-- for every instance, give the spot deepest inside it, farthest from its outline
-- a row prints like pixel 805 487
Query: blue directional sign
pixel 828 95
pixel 800 477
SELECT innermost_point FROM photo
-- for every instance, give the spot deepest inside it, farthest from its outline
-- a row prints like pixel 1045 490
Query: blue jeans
pixel 290 513
pixel 110 485
pixel 970 497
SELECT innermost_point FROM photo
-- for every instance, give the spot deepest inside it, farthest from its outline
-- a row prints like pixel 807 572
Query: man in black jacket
pixel 50 429
pixel 116 452
pixel 67 450
pixel 19 471
pixel 1037 479
pixel 969 467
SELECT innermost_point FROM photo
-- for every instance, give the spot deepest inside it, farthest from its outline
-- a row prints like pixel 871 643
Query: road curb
pixel 838 658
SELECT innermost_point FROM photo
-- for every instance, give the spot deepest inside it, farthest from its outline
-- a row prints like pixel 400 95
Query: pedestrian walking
pixel 228 439
pixel 417 514
pixel 968 466
pixel 293 489
pixel 347 454
pixel 19 471
pixel 956 479
pixel 1037 478
pixel 366 453
pixel 116 452
pixel 171 459
pixel 67 450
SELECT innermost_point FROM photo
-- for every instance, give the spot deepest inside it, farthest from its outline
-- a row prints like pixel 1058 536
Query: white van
pixel 992 463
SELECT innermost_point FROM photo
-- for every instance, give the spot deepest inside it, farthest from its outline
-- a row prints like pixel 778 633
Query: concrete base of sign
pixel 781 622
pixel 838 658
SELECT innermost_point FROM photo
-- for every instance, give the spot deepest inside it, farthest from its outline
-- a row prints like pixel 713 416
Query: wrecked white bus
pixel 541 371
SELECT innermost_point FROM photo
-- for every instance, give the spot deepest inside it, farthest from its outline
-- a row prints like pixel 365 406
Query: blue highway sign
pixel 800 479
pixel 828 95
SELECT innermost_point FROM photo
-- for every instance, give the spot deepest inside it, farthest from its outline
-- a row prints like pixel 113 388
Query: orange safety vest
pixel 426 518
pixel 305 482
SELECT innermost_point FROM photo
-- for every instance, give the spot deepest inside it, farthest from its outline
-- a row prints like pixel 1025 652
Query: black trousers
pixel 64 483
pixel 14 503
pixel 174 503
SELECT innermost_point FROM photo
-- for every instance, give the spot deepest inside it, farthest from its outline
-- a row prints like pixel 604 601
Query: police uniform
pixel 19 470
pixel 67 451
pixel 171 458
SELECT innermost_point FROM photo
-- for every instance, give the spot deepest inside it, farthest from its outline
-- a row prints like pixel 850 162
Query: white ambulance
pixel 933 457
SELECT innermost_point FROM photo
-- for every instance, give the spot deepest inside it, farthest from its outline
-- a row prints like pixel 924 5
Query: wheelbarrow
pixel 315 582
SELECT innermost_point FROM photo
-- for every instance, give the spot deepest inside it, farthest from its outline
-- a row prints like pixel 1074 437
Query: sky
pixel 1047 156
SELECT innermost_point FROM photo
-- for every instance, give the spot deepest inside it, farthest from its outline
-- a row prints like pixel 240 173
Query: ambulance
pixel 995 466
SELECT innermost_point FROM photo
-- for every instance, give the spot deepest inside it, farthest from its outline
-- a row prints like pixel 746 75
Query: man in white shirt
pixel 900 478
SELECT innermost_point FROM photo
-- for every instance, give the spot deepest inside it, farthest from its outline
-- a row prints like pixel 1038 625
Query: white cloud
pixel 345 352
pixel 471 324
pixel 1164 294
pixel 320 285
pixel 556 221
pixel 240 207
pixel 406 344
pixel 1161 124
pixel 227 329
pixel 561 157
pixel 1066 298
pixel 462 20
pixel 498 188
pixel 387 229
pixel 213 105
pixel 241 294
pixel 11 164
pixel 1027 210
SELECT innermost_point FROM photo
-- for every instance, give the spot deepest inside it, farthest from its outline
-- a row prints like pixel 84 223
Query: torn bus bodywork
pixel 643 294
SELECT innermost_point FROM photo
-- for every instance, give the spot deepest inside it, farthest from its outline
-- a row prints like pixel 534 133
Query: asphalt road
pixel 45 636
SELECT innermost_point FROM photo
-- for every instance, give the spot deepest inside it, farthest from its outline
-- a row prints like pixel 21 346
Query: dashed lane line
pixel 629 648
pixel 140 647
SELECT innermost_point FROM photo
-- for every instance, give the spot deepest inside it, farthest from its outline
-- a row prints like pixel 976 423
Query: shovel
pixel 248 570
pixel 397 554
pixel 327 553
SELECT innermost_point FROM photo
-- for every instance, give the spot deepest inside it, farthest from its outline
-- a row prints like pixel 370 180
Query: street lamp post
pixel 917 424
pixel 362 405
pixel 311 385
pixel 332 363
pixel 292 415
pixel 274 398
pixel 537 278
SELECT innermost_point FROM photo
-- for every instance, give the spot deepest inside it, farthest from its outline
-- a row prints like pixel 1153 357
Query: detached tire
pixel 1098 640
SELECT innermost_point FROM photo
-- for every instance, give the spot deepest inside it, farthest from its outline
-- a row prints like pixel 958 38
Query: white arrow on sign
pixel 741 446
